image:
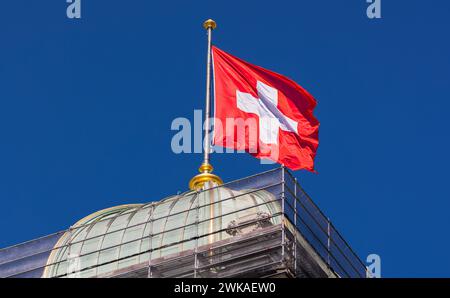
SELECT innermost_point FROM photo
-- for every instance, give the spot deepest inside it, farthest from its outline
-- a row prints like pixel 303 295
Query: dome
pixel 108 241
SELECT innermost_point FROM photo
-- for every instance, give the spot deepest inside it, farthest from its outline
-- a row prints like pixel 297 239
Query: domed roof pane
pixel 162 209
pixel 128 255
pixel 120 222
pixel 106 260
pixel 133 233
pixel 144 249
pixel 189 230
pixel 141 216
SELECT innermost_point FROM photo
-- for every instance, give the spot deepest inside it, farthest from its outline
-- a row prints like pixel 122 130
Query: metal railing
pixel 319 231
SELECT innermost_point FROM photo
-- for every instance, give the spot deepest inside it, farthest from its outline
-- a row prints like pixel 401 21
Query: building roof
pixel 123 236
pixel 259 225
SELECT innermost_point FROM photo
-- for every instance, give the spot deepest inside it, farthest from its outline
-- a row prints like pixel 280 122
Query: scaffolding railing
pixel 248 227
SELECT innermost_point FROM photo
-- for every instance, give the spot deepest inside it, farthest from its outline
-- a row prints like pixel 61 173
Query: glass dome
pixel 120 237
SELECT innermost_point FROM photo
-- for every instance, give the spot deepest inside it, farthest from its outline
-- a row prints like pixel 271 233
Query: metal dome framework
pixel 263 225
pixel 116 238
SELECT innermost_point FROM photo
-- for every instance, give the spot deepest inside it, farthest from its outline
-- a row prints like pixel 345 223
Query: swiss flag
pixel 263 113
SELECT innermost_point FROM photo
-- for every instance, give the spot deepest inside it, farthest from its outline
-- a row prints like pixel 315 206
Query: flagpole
pixel 205 169
pixel 209 25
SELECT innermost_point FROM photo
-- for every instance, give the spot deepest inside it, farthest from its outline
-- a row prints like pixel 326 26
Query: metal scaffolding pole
pixel 283 214
pixel 150 235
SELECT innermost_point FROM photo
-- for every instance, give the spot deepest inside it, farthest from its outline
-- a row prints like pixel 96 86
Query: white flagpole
pixel 209 25
pixel 198 182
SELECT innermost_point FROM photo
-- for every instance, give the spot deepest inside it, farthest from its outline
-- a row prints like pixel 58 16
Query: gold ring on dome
pixel 198 181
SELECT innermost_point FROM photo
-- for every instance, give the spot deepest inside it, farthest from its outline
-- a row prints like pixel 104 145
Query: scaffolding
pixel 259 226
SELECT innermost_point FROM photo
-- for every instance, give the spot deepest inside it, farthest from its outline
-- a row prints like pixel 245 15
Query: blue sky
pixel 86 107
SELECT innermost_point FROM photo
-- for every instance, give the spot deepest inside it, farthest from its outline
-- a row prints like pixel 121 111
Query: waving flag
pixel 263 113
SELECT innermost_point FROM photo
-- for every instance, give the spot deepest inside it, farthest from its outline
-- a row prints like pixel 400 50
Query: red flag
pixel 263 113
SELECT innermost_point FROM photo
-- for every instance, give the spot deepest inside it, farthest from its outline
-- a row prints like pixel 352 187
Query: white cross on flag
pixel 263 113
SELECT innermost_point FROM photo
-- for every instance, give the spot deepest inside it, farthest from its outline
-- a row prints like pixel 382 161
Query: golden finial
pixel 209 24
pixel 198 181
